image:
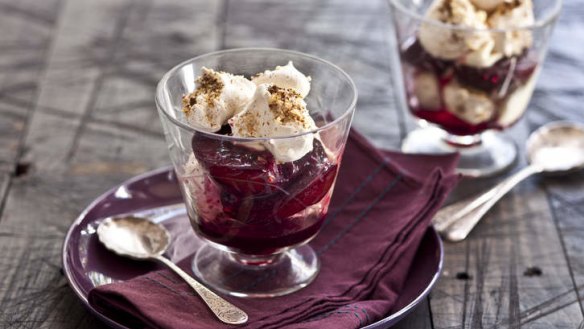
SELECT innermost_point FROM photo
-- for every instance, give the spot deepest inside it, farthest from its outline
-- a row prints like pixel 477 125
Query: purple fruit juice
pixel 246 200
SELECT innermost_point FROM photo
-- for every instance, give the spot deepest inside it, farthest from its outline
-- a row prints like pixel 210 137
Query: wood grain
pixel 94 125
pixel 22 57
pixel 77 117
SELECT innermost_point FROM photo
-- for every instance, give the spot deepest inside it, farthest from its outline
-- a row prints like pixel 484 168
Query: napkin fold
pixel 381 207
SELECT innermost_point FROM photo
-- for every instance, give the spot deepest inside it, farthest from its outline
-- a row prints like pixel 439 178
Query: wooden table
pixel 77 116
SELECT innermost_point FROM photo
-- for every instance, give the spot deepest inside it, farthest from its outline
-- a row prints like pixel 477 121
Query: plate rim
pixel 67 271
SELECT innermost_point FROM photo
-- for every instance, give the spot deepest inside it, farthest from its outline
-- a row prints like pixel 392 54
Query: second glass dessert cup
pixel 465 85
pixel 257 213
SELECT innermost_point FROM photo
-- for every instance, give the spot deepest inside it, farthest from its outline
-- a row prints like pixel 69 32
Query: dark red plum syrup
pixel 266 205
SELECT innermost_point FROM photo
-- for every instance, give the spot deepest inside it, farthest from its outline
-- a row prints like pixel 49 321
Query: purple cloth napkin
pixel 381 207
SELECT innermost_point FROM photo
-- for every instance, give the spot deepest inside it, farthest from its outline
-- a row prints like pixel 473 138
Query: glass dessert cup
pixel 255 212
pixel 463 99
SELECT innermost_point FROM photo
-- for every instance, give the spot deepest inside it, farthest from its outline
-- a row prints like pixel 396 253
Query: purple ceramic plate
pixel 88 264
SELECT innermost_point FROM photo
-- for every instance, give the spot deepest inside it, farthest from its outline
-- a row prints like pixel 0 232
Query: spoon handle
pixel 452 213
pixel 224 310
pixel 470 213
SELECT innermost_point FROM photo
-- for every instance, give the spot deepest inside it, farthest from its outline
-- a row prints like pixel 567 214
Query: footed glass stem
pixel 254 276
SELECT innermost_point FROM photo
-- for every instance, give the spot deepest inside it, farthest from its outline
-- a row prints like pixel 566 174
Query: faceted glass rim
pixel 543 22
pixel 164 80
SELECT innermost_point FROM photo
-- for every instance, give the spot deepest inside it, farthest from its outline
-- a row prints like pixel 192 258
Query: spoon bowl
pixel 133 237
pixel 141 239
pixel 557 148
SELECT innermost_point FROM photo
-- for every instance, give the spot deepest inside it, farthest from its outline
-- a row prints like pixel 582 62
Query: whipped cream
pixel 475 47
pixel 217 97
pixel 510 16
pixel 484 56
pixel 447 43
pixel 471 106
pixel 286 76
pixel 275 112
pixel 270 105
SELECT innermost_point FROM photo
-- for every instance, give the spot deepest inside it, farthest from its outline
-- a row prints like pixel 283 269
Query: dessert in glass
pixel 468 70
pixel 256 137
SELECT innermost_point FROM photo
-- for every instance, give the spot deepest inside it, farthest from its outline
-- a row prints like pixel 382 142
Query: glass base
pixel 256 276
pixel 480 156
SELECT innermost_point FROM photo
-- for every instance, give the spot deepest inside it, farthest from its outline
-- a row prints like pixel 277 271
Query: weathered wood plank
pixel 5 179
pixel 94 125
pixel 34 293
pixel 566 196
pixel 490 281
pixel 22 60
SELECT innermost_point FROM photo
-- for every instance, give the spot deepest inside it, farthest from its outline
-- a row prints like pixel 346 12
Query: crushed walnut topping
pixel 445 10
pixel 249 121
pixel 508 6
pixel 210 86
pixel 286 105
pixel 456 12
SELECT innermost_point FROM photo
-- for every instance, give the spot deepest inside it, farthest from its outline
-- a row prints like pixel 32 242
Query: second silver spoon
pixel 556 148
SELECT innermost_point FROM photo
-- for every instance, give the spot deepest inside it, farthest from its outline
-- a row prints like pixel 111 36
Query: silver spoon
pixel 555 149
pixel 138 238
